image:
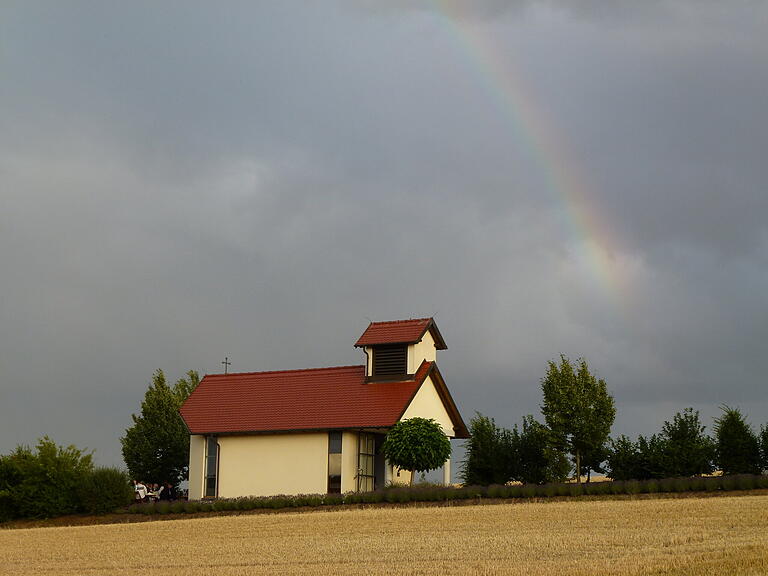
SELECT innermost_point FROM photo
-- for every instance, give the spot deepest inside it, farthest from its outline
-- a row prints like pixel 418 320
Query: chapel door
pixel 366 471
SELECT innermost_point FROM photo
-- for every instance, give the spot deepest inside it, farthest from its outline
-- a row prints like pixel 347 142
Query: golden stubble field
pixel 723 535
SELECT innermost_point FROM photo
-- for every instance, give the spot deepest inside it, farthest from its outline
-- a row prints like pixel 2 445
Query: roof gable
pixel 400 332
pixel 459 427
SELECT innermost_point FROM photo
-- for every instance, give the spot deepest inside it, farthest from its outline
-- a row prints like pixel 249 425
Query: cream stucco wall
pixel 427 404
pixel 196 466
pixel 424 350
pixel 368 360
pixel 271 464
pixel 400 476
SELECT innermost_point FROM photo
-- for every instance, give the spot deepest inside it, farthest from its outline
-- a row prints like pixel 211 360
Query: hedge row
pixel 437 493
pixel 52 480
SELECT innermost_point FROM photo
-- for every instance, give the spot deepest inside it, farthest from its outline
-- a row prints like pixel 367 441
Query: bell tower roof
pixel 400 332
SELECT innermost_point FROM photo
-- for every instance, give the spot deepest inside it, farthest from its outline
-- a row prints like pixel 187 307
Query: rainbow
pixel 593 246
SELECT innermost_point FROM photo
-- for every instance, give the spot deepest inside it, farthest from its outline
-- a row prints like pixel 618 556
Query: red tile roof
pixel 400 332
pixel 316 399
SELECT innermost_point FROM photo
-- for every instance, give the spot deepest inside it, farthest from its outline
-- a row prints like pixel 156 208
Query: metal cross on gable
pixel 226 363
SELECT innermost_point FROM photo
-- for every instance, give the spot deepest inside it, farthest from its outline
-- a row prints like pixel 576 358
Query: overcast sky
pixel 185 181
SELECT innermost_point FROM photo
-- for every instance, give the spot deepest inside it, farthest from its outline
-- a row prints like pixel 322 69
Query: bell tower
pixel 396 349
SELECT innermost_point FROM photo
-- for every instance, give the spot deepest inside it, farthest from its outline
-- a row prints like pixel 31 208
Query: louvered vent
pixel 390 360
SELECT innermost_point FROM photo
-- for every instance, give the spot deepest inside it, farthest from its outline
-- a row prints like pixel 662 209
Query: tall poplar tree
pixel 577 409
pixel 156 446
pixel 737 447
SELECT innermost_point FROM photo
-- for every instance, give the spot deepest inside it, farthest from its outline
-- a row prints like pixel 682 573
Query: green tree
pixel 594 460
pixel 577 409
pixel 488 453
pixel 764 446
pixel 417 445
pixel 623 459
pixel 687 450
pixel 156 446
pixel 538 460
pixel 737 448
pixel 105 490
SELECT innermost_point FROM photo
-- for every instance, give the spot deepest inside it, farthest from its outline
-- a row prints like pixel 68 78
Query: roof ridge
pixel 427 319
pixel 290 371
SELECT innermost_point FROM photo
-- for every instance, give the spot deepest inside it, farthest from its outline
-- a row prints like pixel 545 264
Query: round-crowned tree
pixel 416 445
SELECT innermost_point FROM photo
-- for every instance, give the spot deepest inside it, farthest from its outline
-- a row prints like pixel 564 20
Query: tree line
pixel 51 480
pixel 574 439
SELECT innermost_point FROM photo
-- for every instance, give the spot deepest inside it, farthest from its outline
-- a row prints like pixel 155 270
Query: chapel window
pixel 211 467
pixel 334 462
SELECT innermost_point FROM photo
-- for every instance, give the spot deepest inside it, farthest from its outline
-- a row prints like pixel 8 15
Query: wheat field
pixel 725 535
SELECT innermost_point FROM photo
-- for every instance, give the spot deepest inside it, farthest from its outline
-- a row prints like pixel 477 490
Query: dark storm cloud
pixel 180 183
pixel 625 11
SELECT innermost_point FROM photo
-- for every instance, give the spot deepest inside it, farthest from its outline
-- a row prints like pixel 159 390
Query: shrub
pixel 528 490
pixel 698 484
pixel 652 486
pixel 515 491
pixel 727 482
pixel 436 493
pixel 547 490
pixel 355 497
pixel 632 487
pixel 397 495
pixel 597 488
pixel 563 489
pixel 666 485
pixel 330 500
pixel 147 508
pixel 374 497
pixel 467 492
pixel 682 484
pixel 711 483
pixel 617 487
pixel 745 482
pixel 574 489
pixel 497 491
pixel 43 483
pixel 103 490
